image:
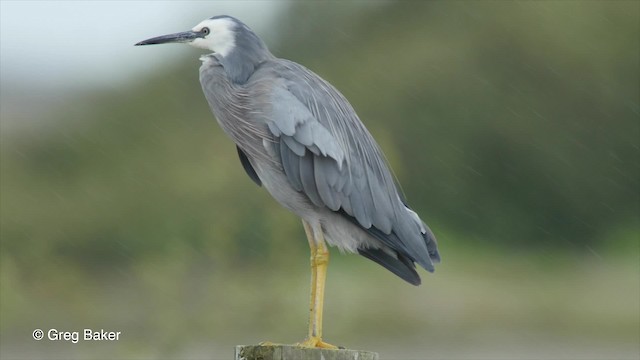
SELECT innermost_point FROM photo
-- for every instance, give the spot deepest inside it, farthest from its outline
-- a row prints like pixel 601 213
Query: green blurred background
pixel 512 126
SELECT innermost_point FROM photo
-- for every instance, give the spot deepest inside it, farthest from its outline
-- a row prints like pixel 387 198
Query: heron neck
pixel 240 65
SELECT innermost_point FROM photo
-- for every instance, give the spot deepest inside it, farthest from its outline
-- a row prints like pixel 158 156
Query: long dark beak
pixel 181 37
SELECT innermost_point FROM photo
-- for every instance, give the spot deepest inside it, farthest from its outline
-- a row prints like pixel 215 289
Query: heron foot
pixel 316 342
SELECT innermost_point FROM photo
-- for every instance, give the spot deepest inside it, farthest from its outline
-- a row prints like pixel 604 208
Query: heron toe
pixel 316 342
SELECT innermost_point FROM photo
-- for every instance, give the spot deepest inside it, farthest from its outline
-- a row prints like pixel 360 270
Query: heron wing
pixel 328 154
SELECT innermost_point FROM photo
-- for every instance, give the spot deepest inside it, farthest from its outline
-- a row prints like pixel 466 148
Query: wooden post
pixel 292 352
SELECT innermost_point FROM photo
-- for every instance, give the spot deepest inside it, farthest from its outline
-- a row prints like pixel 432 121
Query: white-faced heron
pixel 297 136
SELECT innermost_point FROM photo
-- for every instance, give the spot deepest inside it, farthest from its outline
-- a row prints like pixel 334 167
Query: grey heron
pixel 299 138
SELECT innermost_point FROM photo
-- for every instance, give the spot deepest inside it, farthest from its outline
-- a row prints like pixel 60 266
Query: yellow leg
pixel 319 261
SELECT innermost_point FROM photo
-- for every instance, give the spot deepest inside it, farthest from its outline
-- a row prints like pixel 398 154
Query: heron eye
pixel 205 31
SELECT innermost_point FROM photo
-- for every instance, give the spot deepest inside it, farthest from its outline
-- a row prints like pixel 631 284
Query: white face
pixel 221 38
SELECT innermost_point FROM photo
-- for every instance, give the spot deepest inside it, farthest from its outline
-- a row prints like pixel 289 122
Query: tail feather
pixel 401 266
pixel 403 263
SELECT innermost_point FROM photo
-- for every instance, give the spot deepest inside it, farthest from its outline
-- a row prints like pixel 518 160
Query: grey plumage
pixel 301 139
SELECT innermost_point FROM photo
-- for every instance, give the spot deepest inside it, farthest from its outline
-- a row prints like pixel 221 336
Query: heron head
pixel 217 34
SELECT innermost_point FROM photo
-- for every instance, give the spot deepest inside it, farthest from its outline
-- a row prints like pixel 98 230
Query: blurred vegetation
pixel 512 126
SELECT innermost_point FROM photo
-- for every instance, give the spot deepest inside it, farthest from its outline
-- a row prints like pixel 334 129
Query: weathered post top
pixel 292 352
